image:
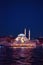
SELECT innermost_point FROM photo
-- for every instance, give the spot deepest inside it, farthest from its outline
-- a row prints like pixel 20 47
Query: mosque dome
pixel 21 35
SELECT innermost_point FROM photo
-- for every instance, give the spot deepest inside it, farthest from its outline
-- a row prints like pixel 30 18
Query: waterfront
pixel 21 56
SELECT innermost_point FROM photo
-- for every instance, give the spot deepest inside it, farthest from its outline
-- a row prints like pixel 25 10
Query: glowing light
pixel 24 46
pixel 22 40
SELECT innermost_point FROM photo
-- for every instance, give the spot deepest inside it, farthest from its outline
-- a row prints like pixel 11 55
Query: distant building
pixel 21 37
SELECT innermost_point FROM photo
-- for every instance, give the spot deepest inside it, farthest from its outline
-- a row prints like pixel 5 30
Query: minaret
pixel 25 31
pixel 29 35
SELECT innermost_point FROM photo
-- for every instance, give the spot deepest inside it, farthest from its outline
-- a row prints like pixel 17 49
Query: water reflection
pixel 38 56
pixel 21 56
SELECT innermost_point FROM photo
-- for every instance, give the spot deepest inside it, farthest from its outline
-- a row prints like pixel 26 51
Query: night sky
pixel 15 15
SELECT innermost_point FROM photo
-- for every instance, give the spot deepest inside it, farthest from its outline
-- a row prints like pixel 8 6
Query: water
pixel 21 56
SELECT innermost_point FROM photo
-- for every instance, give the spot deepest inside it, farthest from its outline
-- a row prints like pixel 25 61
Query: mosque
pixel 22 37
pixel 22 41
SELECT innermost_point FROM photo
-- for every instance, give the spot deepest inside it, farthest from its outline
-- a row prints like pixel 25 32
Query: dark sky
pixel 15 15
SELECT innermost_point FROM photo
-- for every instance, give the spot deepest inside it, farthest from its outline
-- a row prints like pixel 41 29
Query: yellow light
pixel 22 40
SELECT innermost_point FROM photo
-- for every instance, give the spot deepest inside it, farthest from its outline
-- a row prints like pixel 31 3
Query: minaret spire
pixel 25 31
pixel 29 34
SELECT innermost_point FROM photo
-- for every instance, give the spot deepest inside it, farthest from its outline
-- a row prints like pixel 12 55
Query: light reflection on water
pixel 21 56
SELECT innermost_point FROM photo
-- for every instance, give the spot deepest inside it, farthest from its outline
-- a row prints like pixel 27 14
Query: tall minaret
pixel 25 31
pixel 29 35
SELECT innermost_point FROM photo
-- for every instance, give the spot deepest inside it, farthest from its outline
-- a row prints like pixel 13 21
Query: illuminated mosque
pixel 22 41
pixel 22 37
